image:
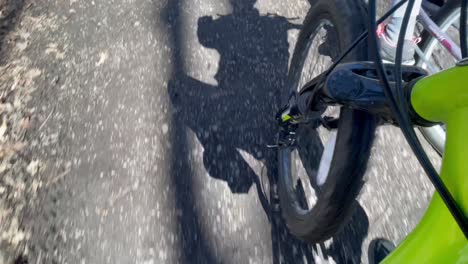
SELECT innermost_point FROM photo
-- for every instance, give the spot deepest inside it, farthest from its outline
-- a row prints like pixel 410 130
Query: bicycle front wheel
pixel 321 175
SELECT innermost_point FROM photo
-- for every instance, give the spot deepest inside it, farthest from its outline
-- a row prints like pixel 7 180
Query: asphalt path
pixel 156 115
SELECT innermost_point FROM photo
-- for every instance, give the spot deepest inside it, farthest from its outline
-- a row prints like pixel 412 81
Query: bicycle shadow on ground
pixel 10 12
pixel 236 117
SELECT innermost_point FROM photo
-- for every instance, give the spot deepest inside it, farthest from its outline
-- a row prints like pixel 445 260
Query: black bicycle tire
pixel 354 139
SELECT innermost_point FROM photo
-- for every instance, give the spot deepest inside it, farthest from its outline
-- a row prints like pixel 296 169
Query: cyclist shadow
pixel 11 11
pixel 234 120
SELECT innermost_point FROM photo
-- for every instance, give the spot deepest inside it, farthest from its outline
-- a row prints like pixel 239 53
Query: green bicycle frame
pixel 442 97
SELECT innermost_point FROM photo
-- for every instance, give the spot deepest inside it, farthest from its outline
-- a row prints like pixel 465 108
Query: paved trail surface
pixel 151 122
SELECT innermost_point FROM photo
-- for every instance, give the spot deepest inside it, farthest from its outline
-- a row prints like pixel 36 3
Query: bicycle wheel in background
pixel 437 58
pixel 321 175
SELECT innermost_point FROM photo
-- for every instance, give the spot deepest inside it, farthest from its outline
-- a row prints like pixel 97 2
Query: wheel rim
pixel 325 161
pixel 307 164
